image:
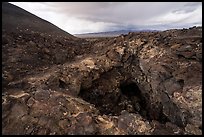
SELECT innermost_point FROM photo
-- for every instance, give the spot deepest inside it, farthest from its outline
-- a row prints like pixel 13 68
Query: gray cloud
pixel 188 7
pixel 80 17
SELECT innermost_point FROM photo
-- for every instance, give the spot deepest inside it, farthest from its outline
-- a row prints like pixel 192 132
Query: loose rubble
pixel 147 83
pixel 142 83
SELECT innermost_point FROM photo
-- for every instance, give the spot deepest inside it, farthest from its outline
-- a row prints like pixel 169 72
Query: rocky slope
pixel 146 83
pixel 17 19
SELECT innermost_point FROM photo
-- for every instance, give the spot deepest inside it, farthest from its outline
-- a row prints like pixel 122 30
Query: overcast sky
pixel 86 17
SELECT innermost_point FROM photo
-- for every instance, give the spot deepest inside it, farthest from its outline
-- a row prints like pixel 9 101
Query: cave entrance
pixel 136 101
pixel 129 97
pixel 141 103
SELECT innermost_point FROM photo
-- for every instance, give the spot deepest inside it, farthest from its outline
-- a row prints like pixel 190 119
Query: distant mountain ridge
pixel 111 33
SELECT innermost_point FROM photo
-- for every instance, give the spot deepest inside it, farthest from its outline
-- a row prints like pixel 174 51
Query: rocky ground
pixel 146 83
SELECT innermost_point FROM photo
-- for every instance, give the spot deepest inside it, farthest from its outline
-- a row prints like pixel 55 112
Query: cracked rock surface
pixel 147 83
pixel 140 83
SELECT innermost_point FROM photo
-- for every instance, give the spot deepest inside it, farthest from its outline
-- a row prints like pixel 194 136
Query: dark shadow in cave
pixel 141 103
pixel 132 92
pixel 181 82
pixel 130 99
pixel 62 84
pixel 130 89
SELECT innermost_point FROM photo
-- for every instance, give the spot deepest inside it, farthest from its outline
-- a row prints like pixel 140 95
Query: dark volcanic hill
pixel 15 18
pixel 31 43
pixel 142 83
